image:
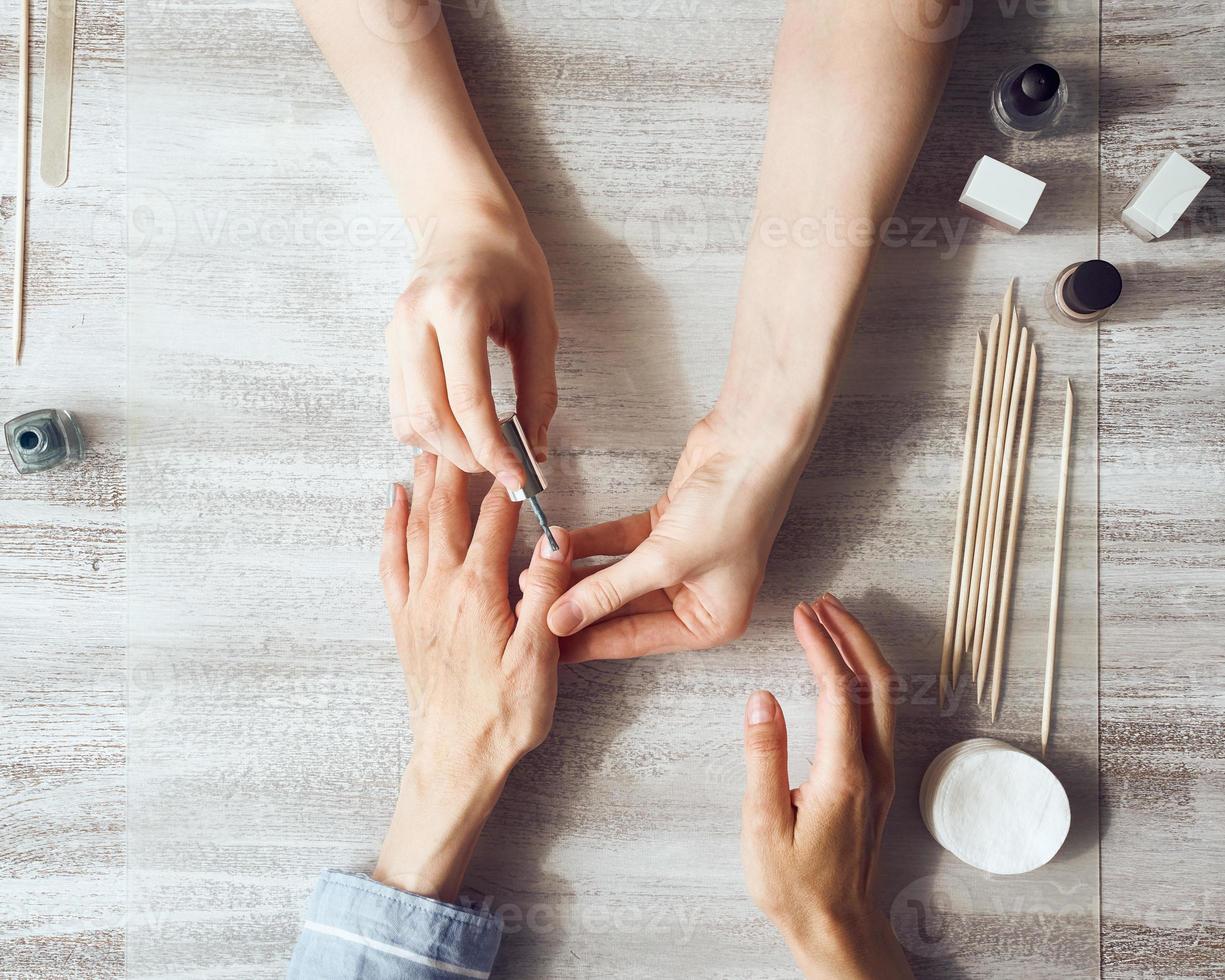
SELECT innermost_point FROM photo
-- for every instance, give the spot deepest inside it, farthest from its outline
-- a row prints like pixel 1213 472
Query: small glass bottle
pixel 1028 99
pixel 44 439
pixel 1084 292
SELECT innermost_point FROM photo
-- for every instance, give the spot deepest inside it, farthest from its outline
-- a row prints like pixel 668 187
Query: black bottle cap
pixel 1094 286
pixel 1033 89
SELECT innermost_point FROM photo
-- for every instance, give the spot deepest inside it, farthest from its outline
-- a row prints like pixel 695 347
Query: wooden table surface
pixel 66 556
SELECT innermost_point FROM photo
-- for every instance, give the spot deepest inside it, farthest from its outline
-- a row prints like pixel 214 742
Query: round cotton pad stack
pixel 995 807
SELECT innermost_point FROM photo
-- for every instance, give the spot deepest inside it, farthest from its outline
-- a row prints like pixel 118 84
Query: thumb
pixel 767 792
pixel 546 578
pixel 601 594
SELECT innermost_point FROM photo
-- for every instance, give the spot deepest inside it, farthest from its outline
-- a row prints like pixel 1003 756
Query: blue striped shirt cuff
pixel 358 928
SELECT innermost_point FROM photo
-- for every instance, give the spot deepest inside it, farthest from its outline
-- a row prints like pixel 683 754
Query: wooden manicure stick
pixel 984 407
pixel 1010 549
pixel 983 640
pixel 959 540
pixel 991 477
pixel 1057 571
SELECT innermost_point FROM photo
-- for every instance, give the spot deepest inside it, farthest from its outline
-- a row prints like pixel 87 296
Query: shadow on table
pixel 600 286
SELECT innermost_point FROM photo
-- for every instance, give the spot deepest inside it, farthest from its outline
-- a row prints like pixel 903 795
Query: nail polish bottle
pixel 1028 100
pixel 44 439
pixel 1084 292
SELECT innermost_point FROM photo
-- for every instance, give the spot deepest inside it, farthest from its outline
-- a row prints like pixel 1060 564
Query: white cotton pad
pixel 1163 197
pixel 995 807
pixel 1001 195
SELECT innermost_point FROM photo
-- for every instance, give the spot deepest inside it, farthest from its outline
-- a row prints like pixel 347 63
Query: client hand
pixel 481 683
pixel 693 563
pixel 810 854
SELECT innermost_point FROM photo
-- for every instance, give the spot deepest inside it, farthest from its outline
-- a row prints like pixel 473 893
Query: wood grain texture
pixel 278 267
pixel 1162 510
pixel 62 536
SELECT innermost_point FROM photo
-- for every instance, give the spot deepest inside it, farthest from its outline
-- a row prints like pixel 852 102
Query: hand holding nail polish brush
pixel 534 482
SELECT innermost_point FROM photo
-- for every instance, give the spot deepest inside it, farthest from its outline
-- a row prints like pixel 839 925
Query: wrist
pixel 780 381
pixel 453 773
pixel 439 815
pixel 844 947
pixel 471 221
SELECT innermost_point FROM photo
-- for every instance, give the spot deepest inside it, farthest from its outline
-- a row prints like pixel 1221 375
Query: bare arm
pixel 854 91
pixel 396 64
pixel 480 274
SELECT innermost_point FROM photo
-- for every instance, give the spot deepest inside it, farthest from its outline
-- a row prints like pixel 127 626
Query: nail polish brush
pixel 534 482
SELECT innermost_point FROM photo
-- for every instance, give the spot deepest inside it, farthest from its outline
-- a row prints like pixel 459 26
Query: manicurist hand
pixel 694 562
pixel 480 276
pixel 481 681
pixel 810 854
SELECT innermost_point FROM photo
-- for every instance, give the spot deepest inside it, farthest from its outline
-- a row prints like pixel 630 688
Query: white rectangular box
pixel 1163 197
pixel 1001 195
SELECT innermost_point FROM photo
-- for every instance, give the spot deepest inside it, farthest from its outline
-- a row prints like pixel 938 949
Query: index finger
pixel 618 537
pixel 838 733
pixel 626 637
pixel 465 365
pixel 876 678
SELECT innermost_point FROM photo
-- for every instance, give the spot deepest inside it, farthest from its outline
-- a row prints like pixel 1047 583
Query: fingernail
pixel 760 708
pixel 833 600
pixel 567 618
pixel 806 610
pixel 391 495
pixel 547 551
pixel 414 451
pixel 509 480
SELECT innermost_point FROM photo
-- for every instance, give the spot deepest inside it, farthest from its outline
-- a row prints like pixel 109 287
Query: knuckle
pixel 401 428
pixel 417 532
pixel 424 420
pixel 759 822
pixel 546 399
pixel 730 629
pixel 853 782
pixel 603 594
pixel 764 745
pixel 472 583
pixel 489 453
pixel 663 565
pixel 497 502
pixel 543 583
pixel 407 306
pixel 441 501
pixel 467 399
pixel 453 294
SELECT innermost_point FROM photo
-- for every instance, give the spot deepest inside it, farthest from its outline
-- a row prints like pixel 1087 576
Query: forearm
pixel 852 97
pixel 396 64
pixel 438 819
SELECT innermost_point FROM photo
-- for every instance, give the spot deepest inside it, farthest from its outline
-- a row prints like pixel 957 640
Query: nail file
pixel 23 175
pixel 57 90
